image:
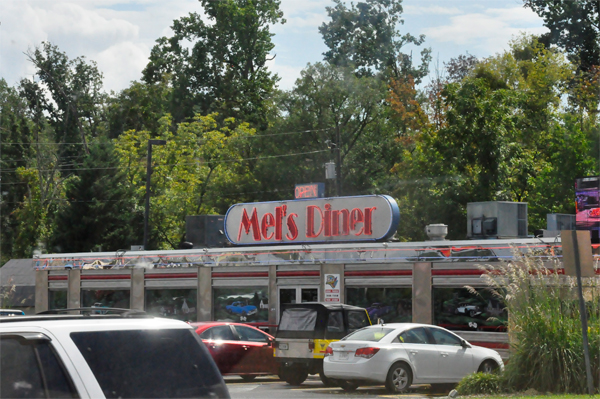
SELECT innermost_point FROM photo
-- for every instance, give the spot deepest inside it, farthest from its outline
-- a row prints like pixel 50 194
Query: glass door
pixel 297 295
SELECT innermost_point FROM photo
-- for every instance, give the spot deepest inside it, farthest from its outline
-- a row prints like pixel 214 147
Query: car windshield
pixel 368 334
pixel 148 358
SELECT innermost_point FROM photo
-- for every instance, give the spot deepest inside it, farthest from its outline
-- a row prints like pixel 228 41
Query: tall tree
pixel 100 209
pixel 202 160
pixel 574 26
pixel 224 70
pixel 68 92
pixel 365 37
pixel 15 151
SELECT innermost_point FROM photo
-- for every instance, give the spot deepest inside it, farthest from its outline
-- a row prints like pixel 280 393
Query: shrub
pixel 546 349
pixel 481 383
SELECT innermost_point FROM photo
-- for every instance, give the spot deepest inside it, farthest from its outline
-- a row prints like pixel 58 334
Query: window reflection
pixel 393 304
pixel 106 298
pixel 172 303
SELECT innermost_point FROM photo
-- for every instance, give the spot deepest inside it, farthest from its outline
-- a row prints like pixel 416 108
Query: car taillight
pixel 328 351
pixel 367 353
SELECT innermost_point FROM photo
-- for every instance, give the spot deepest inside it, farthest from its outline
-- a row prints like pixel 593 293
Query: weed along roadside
pixel 544 322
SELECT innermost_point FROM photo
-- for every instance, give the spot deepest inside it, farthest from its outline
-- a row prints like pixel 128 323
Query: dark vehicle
pixel 239 349
pixel 304 333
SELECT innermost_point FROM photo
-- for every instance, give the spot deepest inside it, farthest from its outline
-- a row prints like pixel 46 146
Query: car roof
pixel 89 323
pixel 204 325
pixel 403 326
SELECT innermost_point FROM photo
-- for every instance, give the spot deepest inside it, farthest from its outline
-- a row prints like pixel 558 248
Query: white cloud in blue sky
pixel 119 35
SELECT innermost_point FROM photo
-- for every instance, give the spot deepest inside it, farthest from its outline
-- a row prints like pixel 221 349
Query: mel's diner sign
pixel 362 218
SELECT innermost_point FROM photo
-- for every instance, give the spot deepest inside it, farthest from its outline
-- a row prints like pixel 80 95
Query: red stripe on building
pixel 57 278
pixel 457 272
pixel 239 274
pixel 492 345
pixel 299 273
pixel 106 277
pixel 172 275
pixel 376 273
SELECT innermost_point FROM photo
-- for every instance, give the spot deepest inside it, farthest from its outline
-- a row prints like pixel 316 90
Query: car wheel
pixel 399 378
pixel 294 375
pixel 248 377
pixel 348 386
pixel 328 382
pixel 488 367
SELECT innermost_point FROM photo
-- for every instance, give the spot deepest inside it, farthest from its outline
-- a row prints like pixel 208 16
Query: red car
pixel 239 349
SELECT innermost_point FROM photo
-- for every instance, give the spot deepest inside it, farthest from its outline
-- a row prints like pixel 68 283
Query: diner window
pixel 460 309
pixel 392 304
pixel 105 299
pixel 172 303
pixel 57 299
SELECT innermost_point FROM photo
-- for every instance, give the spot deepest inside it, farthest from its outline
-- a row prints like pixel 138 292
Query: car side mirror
pixel 464 344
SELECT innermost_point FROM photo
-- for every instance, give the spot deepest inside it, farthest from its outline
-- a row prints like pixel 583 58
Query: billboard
pixel 339 219
pixel 587 204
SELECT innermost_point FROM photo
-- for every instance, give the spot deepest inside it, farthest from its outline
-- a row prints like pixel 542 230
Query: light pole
pixel 148 174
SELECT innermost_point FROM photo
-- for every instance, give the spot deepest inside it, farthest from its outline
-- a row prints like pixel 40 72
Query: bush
pixel 481 383
pixel 546 349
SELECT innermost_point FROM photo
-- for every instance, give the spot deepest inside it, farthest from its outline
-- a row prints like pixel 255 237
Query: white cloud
pixel 430 10
pixel 488 32
pixel 122 63
pixel 287 73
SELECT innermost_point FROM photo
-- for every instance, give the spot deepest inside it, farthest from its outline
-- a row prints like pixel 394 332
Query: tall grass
pixel 546 350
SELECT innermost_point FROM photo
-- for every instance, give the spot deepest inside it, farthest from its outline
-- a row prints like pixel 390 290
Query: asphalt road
pixel 273 388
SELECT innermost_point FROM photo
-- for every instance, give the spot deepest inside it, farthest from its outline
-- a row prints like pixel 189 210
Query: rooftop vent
pixel 436 232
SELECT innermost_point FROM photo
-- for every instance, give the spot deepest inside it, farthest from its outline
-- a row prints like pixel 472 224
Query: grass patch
pixel 480 383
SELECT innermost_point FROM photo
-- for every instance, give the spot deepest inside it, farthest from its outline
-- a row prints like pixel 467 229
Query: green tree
pixel 100 209
pixel 506 136
pixel 224 70
pixel 68 93
pixel 365 37
pixel 574 26
pixel 16 140
pixel 330 108
pixel 201 160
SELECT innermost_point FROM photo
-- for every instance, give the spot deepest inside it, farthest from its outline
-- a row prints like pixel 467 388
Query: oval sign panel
pixel 339 219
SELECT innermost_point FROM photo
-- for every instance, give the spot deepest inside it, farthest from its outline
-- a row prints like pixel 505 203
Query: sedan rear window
pixel 368 334
pixel 150 363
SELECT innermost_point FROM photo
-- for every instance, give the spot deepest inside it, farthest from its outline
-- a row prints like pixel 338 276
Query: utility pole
pixel 148 174
pixel 338 162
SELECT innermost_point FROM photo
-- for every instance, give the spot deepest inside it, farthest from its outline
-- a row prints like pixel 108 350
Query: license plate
pixel 283 346
pixel 344 355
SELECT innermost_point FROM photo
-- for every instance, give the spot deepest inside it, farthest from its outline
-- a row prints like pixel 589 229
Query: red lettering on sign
pixel 280 213
pixel 309 191
pixel 267 221
pixel 291 225
pixel 327 220
pixel 310 221
pixel 356 217
pixel 249 223
pixel 335 222
pixel 368 230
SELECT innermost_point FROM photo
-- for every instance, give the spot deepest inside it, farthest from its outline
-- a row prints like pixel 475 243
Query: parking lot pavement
pixel 272 388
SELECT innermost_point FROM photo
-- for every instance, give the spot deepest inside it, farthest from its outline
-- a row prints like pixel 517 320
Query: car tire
pixel 348 386
pixel 399 378
pixel 248 377
pixel 328 382
pixel 294 375
pixel 488 367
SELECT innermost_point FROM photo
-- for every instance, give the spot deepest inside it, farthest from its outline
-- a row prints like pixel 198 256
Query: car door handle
pixel 413 352
pixel 444 354
pixel 245 347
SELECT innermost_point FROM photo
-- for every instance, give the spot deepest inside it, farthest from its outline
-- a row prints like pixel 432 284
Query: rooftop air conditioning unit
pixel 205 231
pixel 560 221
pixel 496 219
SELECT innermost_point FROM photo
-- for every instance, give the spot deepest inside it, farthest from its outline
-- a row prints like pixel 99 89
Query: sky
pixel 119 34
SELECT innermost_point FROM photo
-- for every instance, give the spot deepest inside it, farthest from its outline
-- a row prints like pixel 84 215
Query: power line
pixel 179 163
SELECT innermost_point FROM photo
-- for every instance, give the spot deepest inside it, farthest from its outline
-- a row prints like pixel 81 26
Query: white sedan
pixel 402 354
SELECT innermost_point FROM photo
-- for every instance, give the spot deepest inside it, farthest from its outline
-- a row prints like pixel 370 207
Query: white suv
pixel 125 355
